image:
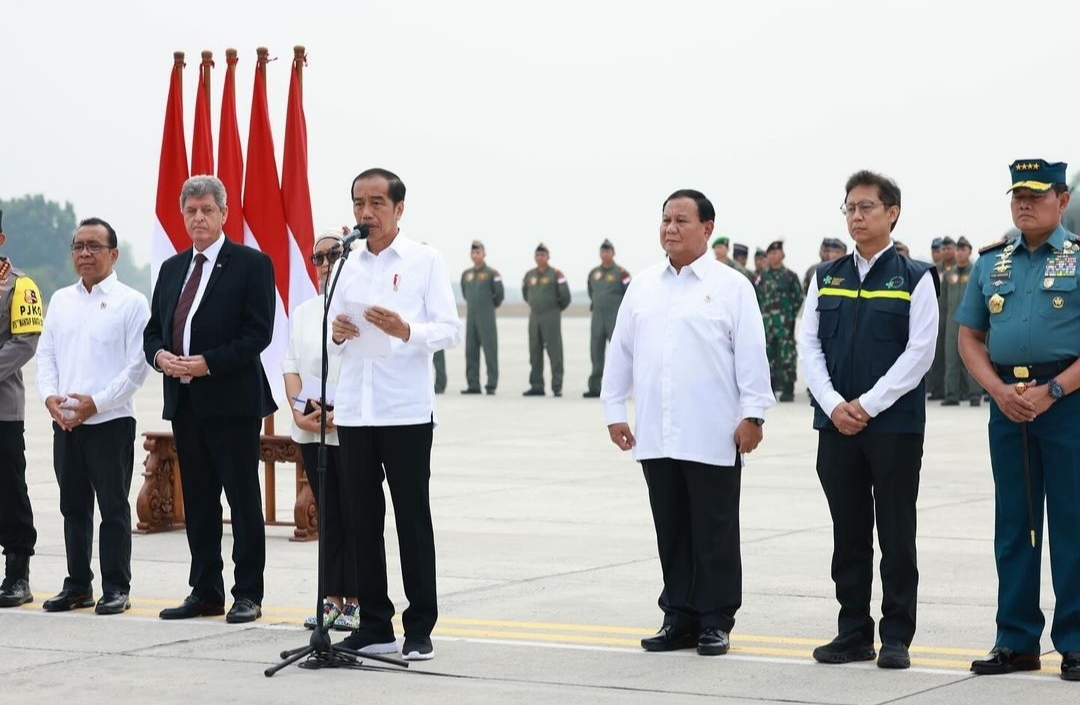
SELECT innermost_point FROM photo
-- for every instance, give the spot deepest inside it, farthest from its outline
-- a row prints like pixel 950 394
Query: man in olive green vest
pixel 547 293
pixel 607 284
pixel 482 289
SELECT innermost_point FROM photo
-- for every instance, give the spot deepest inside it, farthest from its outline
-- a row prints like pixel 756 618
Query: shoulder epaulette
pixel 994 245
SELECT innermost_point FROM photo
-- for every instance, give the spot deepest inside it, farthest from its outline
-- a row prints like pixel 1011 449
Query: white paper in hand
pixel 372 342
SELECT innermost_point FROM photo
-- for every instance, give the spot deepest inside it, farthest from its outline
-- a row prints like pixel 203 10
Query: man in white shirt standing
pixel 90 364
pixel 689 346
pixel 392 309
pixel 867 341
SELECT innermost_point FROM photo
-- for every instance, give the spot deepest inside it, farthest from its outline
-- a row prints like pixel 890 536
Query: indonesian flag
pixel 170 235
pixel 264 221
pixel 295 192
pixel 230 153
pixel 202 143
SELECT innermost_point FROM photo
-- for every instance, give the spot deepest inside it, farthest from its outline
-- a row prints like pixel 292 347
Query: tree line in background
pixel 39 234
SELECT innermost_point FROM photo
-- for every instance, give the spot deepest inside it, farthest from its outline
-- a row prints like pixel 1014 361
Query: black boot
pixel 15 590
pixel 787 392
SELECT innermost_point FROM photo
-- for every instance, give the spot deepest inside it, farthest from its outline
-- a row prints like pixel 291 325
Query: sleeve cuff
pixel 615 412
pixel 832 401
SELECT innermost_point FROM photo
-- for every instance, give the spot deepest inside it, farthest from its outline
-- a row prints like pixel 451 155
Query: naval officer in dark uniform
pixel 1020 339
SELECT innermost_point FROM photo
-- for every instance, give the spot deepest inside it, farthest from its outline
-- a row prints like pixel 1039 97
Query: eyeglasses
pixel 91 247
pixel 864 207
pixel 331 256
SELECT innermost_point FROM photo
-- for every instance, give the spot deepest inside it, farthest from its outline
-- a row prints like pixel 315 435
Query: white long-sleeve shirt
pixel 904 375
pixel 304 358
pixel 93 344
pixel 410 279
pixel 689 346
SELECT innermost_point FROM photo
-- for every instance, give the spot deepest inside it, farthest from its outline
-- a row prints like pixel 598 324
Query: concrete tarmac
pixel 548 576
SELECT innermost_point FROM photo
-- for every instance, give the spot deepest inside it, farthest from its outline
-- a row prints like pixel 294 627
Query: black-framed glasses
pixel 91 247
pixel 864 207
pixel 329 257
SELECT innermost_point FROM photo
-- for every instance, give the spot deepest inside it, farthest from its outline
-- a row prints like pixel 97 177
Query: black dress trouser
pixel 401 454
pixel 219 453
pixel 96 460
pixel 868 477
pixel 695 510
pixel 339 553
pixel 17 533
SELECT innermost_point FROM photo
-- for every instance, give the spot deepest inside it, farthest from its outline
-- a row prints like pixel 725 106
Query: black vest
pixel 863 328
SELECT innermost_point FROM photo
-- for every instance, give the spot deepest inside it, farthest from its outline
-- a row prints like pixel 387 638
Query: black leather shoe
pixel 845 649
pixel 894 654
pixel 113 603
pixel 243 610
pixel 975 401
pixel 15 592
pixel 191 607
pixel 951 402
pixel 591 394
pixel 1002 659
pixel 533 393
pixel 1070 666
pixel 489 391
pixel 470 390
pixel 670 638
pixel 66 600
pixel 935 397
pixel 713 642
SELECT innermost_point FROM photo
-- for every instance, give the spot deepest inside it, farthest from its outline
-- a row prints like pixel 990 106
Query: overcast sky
pixel 566 122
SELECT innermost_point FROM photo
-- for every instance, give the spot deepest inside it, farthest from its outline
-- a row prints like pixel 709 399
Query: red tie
pixel 183 307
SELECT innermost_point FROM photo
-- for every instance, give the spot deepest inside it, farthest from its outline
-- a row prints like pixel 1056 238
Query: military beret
pixel 721 240
pixel 759 253
pixel 1036 174
pixel 838 244
pixel 963 242
pixel 476 245
pixel 542 248
pixel 935 244
pixel 740 250
pixel 775 245
pixel 606 245
pixel 947 241
pixel 828 242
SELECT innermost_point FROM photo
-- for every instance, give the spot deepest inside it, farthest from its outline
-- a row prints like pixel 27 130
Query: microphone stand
pixel 320 651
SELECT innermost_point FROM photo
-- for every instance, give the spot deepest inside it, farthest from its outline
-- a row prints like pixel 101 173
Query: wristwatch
pixel 1055 390
pixel 761 422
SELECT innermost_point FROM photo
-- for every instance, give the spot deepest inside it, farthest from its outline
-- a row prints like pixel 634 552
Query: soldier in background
pixel 902 249
pixel 21 323
pixel 607 285
pixel 482 288
pixel 738 260
pixel 438 361
pixel 959 384
pixel 824 255
pixel 943 252
pixel 780 295
pixel 547 293
pixel 760 264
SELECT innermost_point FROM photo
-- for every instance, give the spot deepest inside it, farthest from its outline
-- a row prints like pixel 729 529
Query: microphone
pixel 360 232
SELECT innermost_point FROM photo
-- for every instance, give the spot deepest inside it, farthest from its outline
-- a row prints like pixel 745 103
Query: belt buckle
pixel 1020 372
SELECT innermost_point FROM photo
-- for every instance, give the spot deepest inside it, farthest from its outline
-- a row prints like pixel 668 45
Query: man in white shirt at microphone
pixel 391 310
pixel 89 366
pixel 689 347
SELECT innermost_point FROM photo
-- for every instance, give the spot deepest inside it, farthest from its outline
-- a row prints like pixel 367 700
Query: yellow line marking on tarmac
pixel 581 634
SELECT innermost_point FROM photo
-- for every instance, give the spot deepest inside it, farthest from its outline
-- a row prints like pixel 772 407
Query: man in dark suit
pixel 212 315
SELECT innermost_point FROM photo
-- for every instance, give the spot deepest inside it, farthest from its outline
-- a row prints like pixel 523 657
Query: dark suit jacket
pixel 232 326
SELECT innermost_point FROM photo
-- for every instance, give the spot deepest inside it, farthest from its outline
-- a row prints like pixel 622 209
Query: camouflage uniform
pixel 606 286
pixel 780 295
pixel 739 268
pixel 548 295
pixel 483 292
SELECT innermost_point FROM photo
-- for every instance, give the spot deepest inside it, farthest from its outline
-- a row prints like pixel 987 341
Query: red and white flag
pixel 230 166
pixel 169 235
pixel 264 218
pixel 202 142
pixel 295 192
